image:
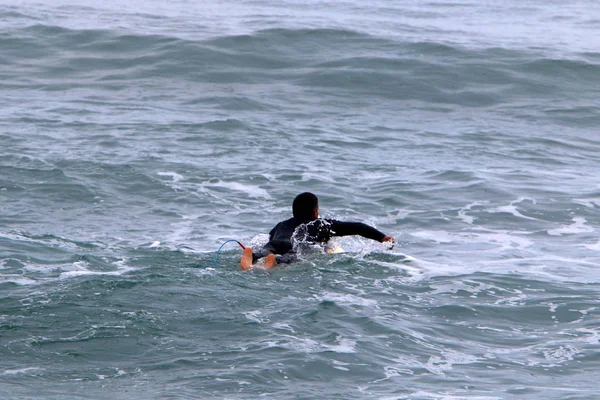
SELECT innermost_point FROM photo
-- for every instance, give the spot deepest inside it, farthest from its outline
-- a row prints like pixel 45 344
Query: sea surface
pixel 136 138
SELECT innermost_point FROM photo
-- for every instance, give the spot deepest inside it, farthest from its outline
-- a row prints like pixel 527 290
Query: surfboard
pixel 335 249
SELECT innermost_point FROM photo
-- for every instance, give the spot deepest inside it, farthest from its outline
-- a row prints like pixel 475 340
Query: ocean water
pixel 135 139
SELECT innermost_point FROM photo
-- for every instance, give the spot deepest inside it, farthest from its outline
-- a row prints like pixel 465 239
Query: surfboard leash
pixel 216 262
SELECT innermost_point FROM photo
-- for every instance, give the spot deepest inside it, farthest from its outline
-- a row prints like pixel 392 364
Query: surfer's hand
pixel 390 240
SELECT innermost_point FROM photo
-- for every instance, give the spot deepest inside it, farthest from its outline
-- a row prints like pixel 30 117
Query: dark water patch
pixel 449 74
pixel 453 184
pixel 9 14
pixel 113 57
pixel 426 78
pixel 231 103
pixel 582 116
pixel 50 184
pixel 36 120
pixel 16 48
pixel 538 157
pixel 592 57
pixel 430 68
pixel 16 160
pixel 454 312
pixel 49 241
pixel 438 49
pixel 573 71
pixel 562 145
pixel 226 129
pixel 296 42
pixel 453 175
pixel 562 151
pixel 396 86
pixel 227 125
pixel 83 51
pixel 105 42
pixel 449 4
pixel 116 180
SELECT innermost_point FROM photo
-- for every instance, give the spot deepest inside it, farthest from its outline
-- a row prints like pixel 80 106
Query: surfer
pixel 305 228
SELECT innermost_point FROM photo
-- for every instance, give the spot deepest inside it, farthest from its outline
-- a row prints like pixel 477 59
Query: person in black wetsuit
pixel 305 228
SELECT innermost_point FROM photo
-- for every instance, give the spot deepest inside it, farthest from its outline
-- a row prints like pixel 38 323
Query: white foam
pixel 467 286
pixel 54 241
pixel 345 345
pixel 435 236
pixel 306 345
pixel 548 266
pixel 181 231
pixel 175 177
pixel 591 203
pixel 498 240
pixel 462 214
pixel 595 247
pixel 256 316
pixel 422 395
pixel 17 279
pixel 404 365
pixel 250 190
pixel 20 370
pixel 548 352
pixel 78 268
pixel 82 270
pixel 559 355
pixel 341 368
pixel 323 177
pixel 283 326
pixel 578 226
pixel 203 271
pixel 406 264
pixel 73 274
pixel 303 345
pixel 592 335
pixel 437 364
pixel 444 362
pixel 270 177
pixel 259 240
pixel 519 299
pixel 512 209
pixel 347 299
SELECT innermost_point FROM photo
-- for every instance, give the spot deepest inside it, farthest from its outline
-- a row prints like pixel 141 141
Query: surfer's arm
pixel 339 228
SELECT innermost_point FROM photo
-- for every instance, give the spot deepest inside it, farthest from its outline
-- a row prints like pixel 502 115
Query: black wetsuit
pixel 319 231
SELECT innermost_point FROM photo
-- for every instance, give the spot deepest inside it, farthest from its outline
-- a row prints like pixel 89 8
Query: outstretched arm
pixel 339 228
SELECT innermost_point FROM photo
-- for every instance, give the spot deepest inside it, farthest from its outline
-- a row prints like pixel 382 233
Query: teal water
pixel 136 139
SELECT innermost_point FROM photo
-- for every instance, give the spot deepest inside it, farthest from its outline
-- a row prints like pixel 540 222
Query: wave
pixel 325 60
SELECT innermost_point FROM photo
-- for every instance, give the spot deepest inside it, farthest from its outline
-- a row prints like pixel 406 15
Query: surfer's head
pixel 306 206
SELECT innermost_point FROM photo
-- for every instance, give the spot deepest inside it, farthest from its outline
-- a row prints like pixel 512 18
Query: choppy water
pixel 135 139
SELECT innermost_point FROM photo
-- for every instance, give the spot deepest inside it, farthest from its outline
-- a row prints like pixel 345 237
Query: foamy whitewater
pixel 136 138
